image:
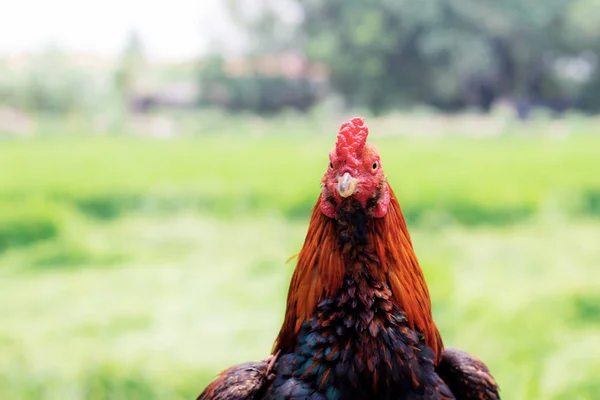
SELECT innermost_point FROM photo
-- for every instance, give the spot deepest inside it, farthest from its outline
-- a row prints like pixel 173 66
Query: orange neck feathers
pixel 320 272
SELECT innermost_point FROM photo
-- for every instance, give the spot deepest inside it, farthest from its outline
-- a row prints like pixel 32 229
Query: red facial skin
pixel 353 155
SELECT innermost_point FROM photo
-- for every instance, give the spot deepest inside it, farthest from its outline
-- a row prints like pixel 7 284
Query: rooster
pixel 358 322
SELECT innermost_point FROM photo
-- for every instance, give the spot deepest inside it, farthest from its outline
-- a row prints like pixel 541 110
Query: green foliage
pixel 254 90
pixel 591 202
pixel 449 53
pixel 25 224
pixel 131 68
pixel 51 83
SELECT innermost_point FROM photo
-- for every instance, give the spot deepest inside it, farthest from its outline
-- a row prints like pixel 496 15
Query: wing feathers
pixel 246 381
pixel 468 377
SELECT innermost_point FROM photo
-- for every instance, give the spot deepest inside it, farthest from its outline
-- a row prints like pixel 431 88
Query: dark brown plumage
pixel 247 381
pixel 467 377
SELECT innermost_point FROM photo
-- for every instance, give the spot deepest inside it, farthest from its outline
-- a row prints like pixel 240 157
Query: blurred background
pixel 159 161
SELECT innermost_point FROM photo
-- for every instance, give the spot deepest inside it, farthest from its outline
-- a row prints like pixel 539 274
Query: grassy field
pixel 136 268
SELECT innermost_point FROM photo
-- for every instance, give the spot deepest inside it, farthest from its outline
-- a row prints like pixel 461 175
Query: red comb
pixel 351 139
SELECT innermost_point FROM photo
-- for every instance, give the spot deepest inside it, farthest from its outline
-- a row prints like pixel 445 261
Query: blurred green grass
pixel 137 268
pixel 473 181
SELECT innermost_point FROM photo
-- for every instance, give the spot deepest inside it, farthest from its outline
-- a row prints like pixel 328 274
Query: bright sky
pixel 170 29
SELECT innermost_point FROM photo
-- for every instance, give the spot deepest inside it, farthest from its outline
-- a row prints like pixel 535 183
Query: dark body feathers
pixel 358 350
pixel 467 377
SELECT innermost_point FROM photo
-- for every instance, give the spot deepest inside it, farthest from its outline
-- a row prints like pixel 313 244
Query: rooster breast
pixel 358 345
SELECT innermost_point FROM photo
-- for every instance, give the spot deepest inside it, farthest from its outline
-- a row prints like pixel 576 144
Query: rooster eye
pixel 331 165
pixel 375 165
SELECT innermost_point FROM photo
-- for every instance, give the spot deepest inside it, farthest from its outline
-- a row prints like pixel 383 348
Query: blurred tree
pixel 257 85
pixel 129 70
pixel 49 83
pixel 583 34
pixel 273 75
pixel 448 53
pixel 271 25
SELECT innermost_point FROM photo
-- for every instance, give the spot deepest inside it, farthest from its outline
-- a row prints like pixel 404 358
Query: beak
pixel 346 185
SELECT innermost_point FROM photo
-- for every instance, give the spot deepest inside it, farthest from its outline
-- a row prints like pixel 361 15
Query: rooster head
pixel 354 171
